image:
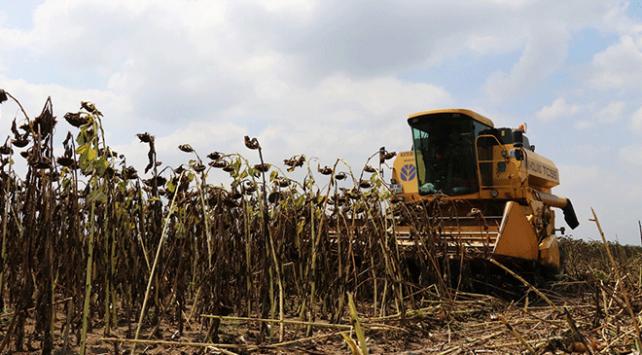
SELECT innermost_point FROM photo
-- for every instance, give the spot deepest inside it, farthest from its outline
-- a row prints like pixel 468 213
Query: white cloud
pixel 612 112
pixel 613 193
pixel 619 66
pixel 584 124
pixel 592 149
pixel 556 110
pixel 636 120
pixel 596 115
pixel 339 117
pixel 574 175
pixel 175 67
pixel 631 155
pixel 318 37
pixel 545 51
pixel 545 42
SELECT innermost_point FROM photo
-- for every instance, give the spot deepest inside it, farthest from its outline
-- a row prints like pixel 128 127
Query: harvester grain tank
pixel 459 155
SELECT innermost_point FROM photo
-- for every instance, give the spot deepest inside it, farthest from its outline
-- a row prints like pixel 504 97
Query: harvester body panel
pixel 517 236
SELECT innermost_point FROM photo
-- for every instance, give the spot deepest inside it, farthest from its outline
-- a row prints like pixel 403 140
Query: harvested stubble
pixel 95 258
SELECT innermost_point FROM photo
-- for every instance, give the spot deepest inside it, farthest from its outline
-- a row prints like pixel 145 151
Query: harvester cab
pixel 459 155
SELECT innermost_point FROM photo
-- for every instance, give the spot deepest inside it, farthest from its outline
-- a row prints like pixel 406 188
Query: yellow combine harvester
pixel 459 155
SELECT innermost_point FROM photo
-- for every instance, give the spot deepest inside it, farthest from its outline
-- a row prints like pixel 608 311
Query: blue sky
pixel 335 79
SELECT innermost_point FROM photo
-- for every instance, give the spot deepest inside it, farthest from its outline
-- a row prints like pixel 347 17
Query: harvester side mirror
pixel 532 148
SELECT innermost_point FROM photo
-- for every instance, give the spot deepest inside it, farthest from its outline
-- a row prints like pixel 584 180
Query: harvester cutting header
pixel 459 155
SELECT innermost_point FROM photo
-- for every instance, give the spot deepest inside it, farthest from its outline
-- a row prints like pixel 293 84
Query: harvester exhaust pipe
pixel 562 203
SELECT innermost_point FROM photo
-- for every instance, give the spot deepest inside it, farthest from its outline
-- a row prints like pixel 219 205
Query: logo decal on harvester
pixel 408 172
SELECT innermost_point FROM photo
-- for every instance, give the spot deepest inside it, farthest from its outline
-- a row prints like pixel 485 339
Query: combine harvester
pixel 501 187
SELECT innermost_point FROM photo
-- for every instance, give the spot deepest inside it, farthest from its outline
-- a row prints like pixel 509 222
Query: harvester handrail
pixel 479 177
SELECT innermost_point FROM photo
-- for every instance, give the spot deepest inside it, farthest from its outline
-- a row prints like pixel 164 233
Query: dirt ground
pixel 568 318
